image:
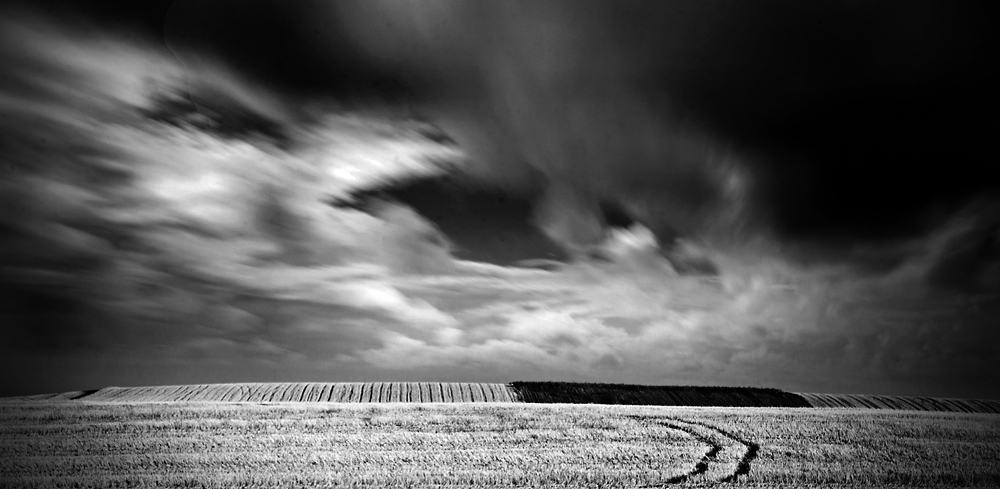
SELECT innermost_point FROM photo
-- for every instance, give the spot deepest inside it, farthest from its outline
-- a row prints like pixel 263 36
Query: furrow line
pixel 299 391
pixel 198 393
pixel 184 392
pixel 254 393
pixel 227 395
pixel 288 392
pixel 324 393
pixel 983 406
pixel 310 392
pixel 320 391
pixel 908 403
pixel 956 405
pixel 339 392
pixel 252 390
pixel 242 393
pixel 209 393
pixel 274 391
pixel 269 392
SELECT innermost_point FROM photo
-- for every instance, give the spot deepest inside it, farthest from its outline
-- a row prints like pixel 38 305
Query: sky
pixel 770 194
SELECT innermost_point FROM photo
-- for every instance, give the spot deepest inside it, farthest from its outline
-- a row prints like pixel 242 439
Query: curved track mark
pixel 728 457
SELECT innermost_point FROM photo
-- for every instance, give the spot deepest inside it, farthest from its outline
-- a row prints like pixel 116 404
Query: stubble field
pixel 211 444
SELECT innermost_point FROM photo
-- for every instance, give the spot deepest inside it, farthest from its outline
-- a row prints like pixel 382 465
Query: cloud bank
pixel 146 241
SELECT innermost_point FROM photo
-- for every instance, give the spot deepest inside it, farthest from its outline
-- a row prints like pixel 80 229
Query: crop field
pixel 308 392
pixel 243 444
pixel 526 392
pixel 654 395
pixel 903 403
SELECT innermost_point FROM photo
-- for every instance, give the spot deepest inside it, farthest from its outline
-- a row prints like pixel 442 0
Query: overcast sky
pixel 777 194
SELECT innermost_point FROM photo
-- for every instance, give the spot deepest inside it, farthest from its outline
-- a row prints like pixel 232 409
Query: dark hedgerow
pixel 654 395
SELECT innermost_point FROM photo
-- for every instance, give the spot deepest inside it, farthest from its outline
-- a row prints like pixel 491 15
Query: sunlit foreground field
pixel 65 443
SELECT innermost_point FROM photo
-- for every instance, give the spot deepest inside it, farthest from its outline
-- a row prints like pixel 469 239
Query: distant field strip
pixel 522 392
pixel 902 403
pixel 654 395
pixel 301 392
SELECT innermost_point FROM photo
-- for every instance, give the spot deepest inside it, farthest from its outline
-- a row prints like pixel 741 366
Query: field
pixel 65 443
pixel 528 392
pixel 304 392
pixel 654 395
pixel 903 402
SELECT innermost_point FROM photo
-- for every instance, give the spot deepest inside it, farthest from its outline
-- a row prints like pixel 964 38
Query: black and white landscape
pixel 499 243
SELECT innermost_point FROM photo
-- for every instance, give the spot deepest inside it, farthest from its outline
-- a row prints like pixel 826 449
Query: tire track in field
pixel 729 455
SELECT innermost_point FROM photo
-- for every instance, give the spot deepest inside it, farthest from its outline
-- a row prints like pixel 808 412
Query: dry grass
pixel 315 445
pixel 60 444
pixel 852 447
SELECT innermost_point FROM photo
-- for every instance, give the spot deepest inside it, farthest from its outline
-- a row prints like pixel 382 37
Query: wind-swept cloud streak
pixel 551 91
pixel 122 230
pixel 166 218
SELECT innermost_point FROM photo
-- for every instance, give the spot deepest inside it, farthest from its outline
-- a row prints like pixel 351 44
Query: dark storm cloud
pixel 299 47
pixel 836 121
pixel 548 85
pixel 969 257
pixel 703 117
pixel 827 107
pixel 165 202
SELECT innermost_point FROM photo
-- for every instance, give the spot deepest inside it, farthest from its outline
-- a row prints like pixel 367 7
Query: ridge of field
pixel 58 396
pixel 654 395
pixel 370 392
pixel 902 403
pixel 518 392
